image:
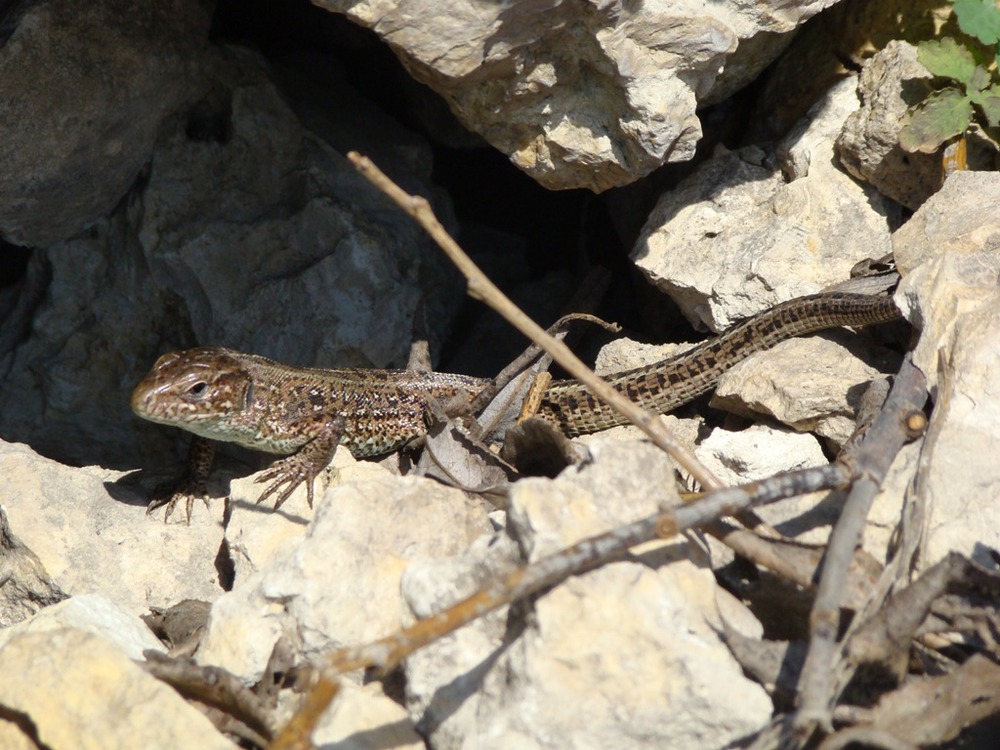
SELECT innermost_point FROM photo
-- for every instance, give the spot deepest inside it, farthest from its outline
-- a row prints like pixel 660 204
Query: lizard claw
pixel 288 472
pixel 186 491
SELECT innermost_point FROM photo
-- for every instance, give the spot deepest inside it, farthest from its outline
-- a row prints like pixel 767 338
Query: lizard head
pixel 193 389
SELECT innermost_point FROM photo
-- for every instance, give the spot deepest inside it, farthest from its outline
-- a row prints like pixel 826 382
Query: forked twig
pixel 481 288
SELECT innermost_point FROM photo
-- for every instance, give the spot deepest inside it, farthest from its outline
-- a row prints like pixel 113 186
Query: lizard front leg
pixel 192 485
pixel 304 465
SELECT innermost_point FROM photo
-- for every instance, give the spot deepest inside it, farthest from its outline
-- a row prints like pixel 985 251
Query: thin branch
pixel 870 463
pixel 481 288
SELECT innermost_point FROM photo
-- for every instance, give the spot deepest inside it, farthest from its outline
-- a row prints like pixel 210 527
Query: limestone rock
pixel 811 384
pixel 737 237
pixel 91 534
pixel 339 585
pixel 256 534
pixel 760 451
pixel 365 719
pixel 583 94
pixel 622 656
pixel 95 614
pixel 77 690
pixel 444 681
pixel 85 88
pixel 27 585
pixel 868 146
pixel 950 255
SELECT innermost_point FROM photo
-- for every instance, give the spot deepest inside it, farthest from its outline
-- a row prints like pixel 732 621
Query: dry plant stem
pixel 297 733
pixel 481 288
pixel 213 687
pixel 386 653
pixel 869 465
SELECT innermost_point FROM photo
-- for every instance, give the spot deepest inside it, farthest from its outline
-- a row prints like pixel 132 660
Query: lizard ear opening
pixel 248 396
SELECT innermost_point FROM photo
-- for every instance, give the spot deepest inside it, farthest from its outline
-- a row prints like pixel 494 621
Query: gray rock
pixel 737 236
pixel 81 691
pixel 623 656
pixel 868 146
pixel 85 88
pixel 339 584
pixel 88 540
pixel 810 384
pixel 95 614
pixel 261 238
pixel 950 255
pixel 583 94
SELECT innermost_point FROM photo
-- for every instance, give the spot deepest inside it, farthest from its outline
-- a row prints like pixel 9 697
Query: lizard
pixel 306 413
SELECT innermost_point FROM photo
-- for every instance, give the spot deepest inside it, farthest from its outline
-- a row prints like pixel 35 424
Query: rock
pixel 102 541
pixel 328 272
pixel 94 614
pixel 85 88
pixel 363 718
pixel 757 452
pixel 810 384
pixel 736 238
pixel 77 690
pixel 27 585
pixel 827 49
pixel 339 585
pixel 760 451
pixel 868 146
pixel 256 535
pixel 444 680
pixel 949 253
pixel 611 645
pixel 588 94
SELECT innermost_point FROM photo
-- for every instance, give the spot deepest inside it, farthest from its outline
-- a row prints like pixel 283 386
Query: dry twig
pixel 386 653
pixel 481 288
pixel 869 463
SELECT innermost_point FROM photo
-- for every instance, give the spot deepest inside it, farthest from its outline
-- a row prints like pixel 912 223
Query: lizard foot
pixel 186 491
pixel 287 474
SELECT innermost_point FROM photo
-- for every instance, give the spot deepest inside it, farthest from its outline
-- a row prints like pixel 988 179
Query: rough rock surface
pixel 950 255
pixel 583 94
pixel 328 272
pixel 95 614
pixel 340 583
pixel 630 646
pixel 868 146
pixel 110 73
pixel 760 451
pixel 90 533
pixel 79 683
pixel 810 384
pixel 738 236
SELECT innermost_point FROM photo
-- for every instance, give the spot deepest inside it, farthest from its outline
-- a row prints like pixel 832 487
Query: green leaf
pixel 988 102
pixel 946 59
pixel 942 116
pixel 979 18
pixel 980 79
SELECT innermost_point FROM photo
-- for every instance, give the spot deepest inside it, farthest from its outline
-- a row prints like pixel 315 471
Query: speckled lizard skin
pixel 224 395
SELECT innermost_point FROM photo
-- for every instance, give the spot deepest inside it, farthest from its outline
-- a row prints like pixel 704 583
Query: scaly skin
pixel 224 395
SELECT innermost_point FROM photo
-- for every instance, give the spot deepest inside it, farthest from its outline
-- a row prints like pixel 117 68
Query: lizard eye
pixel 198 390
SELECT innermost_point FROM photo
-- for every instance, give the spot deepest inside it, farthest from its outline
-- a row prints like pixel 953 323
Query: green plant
pixel 964 88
